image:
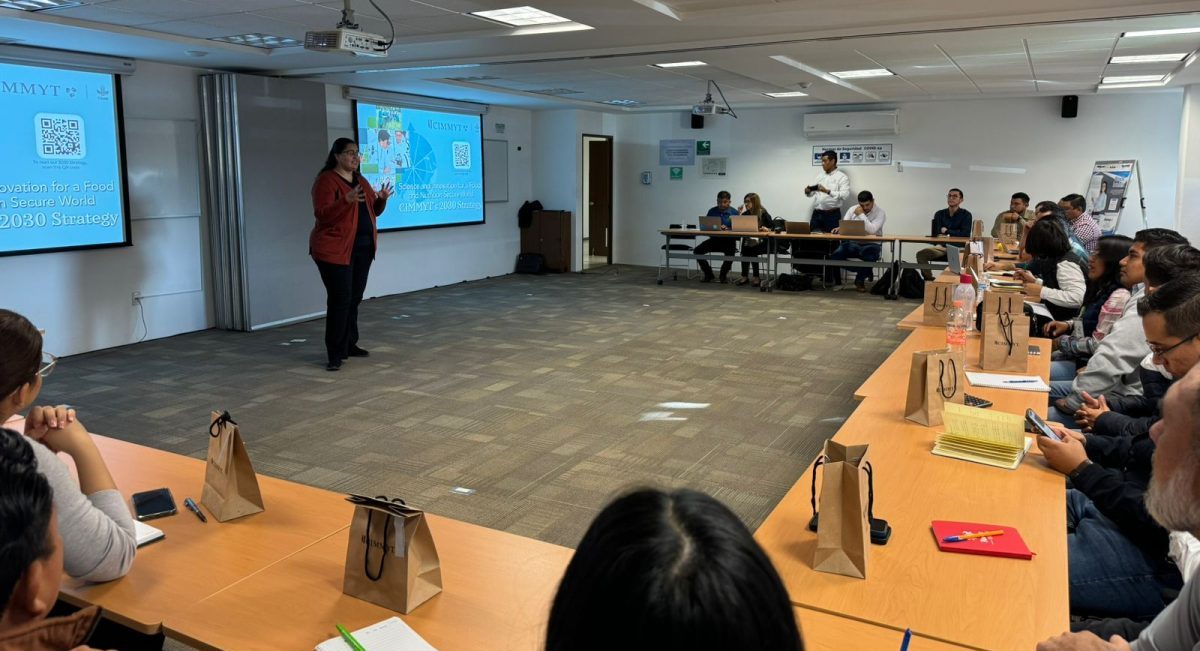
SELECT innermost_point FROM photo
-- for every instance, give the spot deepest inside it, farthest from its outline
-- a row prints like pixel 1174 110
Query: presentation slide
pixel 434 161
pixel 61 178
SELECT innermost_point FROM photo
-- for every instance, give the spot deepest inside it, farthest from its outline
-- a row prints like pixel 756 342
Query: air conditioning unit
pixel 861 123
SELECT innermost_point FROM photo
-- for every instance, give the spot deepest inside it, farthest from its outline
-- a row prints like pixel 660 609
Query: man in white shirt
pixel 874 216
pixel 831 188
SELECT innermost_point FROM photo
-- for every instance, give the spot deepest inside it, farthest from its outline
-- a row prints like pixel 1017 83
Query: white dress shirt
pixel 838 185
pixel 874 219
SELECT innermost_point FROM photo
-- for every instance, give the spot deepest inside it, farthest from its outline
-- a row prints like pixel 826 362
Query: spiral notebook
pixel 992 438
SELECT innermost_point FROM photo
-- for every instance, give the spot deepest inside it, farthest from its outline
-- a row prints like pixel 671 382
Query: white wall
pixel 769 154
pixel 83 298
pixel 1188 201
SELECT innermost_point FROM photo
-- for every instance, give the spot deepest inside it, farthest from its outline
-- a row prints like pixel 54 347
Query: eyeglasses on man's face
pixel 1160 352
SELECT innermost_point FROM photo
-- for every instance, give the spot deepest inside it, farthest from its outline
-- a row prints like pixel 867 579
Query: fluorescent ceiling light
pixel 521 16
pixel 1132 79
pixel 863 74
pixel 1145 84
pixel 622 102
pixel 1162 32
pixel 1149 58
pixel 680 64
pixel 265 41
pixel 415 68
pixel 569 26
pixel 39 5
pixel 791 93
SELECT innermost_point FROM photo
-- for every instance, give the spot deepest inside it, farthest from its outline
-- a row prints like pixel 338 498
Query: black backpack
pixel 531 263
pixel 794 282
pixel 911 284
pixel 525 213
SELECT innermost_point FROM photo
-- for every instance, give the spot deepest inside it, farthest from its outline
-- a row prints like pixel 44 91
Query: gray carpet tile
pixel 542 394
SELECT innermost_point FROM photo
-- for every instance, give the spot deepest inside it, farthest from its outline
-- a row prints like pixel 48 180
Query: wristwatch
pixel 1079 469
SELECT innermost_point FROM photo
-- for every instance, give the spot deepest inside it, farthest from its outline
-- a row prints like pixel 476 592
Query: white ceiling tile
pixel 190 28
pixel 104 14
pixel 174 9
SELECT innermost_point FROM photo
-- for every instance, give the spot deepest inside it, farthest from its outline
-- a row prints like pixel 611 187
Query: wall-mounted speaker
pixel 1070 106
pixel 697 121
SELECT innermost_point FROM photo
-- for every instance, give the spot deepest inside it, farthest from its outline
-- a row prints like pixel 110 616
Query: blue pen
pixel 907 639
pixel 1020 381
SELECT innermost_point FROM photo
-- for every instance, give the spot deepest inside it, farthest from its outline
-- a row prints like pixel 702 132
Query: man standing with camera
pixel 831 188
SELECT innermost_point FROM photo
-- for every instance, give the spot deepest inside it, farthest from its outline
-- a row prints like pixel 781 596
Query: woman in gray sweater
pixel 94 522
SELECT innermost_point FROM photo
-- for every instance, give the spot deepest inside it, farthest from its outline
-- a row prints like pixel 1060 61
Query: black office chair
pixel 680 247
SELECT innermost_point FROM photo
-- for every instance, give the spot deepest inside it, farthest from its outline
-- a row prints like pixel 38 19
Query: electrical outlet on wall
pixel 137 296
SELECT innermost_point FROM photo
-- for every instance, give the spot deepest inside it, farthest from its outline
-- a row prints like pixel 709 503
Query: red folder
pixel 1008 545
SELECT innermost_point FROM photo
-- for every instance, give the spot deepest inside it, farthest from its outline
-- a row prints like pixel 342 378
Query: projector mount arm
pixel 708 98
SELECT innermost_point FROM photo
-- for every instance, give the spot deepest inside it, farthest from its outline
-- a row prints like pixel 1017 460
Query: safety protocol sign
pixel 855 154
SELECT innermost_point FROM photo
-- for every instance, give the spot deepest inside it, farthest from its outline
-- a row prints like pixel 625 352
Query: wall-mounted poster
pixel 855 154
pixel 676 152
pixel 1106 191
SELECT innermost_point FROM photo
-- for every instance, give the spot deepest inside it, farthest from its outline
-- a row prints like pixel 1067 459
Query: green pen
pixel 353 643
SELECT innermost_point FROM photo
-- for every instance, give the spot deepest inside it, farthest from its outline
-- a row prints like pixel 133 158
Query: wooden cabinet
pixel 550 235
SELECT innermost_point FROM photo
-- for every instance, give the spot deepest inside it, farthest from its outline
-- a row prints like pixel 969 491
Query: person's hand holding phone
pixel 1065 455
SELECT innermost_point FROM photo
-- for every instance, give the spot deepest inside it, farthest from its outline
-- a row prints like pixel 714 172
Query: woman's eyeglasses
pixel 48 363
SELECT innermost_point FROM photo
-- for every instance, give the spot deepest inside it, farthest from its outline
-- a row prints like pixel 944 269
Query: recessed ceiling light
pixel 622 102
pixel 1149 58
pixel 863 74
pixel 555 91
pixel 265 41
pixel 520 16
pixel 680 64
pixel 1162 32
pixel 790 93
pixel 39 5
pixel 1151 84
pixel 1132 79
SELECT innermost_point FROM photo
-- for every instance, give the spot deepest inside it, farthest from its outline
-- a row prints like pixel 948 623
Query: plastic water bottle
pixel 957 325
pixel 965 292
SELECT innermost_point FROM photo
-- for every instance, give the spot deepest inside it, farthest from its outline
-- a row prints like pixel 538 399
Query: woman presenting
pixel 343 244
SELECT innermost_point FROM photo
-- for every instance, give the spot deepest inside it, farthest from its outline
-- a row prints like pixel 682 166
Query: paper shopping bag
pixel 1005 341
pixel 843 529
pixel 391 560
pixel 1003 303
pixel 230 485
pixel 935 378
pixel 937 302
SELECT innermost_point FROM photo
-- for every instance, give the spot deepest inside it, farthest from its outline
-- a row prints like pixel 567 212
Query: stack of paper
pixel 1001 381
pixel 993 438
pixel 392 634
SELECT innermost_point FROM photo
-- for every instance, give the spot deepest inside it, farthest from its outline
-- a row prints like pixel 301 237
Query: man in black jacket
pixel 1117 554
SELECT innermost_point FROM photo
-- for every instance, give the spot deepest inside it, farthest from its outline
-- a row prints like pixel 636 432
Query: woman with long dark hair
pixel 1053 276
pixel 343 244
pixel 1103 303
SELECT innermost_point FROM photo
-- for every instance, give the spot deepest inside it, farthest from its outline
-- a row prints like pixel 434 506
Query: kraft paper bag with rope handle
pixel 937 302
pixel 230 485
pixel 1005 342
pixel 936 377
pixel 843 529
pixel 391 560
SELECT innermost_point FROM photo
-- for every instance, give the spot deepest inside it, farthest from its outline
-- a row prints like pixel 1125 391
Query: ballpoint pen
pixel 1020 381
pixel 907 639
pixel 350 641
pixel 191 506
pixel 973 536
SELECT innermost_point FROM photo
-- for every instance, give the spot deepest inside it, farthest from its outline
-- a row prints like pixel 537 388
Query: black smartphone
pixel 154 504
pixel 1039 426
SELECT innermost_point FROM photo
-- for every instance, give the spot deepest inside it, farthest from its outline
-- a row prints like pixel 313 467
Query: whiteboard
pixel 495 171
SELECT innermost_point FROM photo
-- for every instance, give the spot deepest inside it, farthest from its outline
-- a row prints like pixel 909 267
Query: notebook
pixel 710 223
pixel 1009 545
pixel 392 634
pixel 993 438
pixel 1001 381
pixel 145 534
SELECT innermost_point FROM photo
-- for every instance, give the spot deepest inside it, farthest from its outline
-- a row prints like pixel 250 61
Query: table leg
pixel 666 259
pixel 892 294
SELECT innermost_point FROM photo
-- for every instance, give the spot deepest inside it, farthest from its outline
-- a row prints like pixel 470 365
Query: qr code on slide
pixel 462 155
pixel 59 136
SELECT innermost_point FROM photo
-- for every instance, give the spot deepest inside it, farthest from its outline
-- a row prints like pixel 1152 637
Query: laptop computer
pixel 710 223
pixel 852 227
pixel 745 223
pixel 954 258
pixel 797 228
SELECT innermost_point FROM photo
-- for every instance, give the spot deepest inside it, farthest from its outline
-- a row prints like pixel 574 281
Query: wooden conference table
pixel 773 258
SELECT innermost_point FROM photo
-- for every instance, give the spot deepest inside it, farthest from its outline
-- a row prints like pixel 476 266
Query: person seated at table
pixel 31 557
pixel 1083 225
pixel 1172 500
pixel 97 530
pixel 874 216
pixel 951 221
pixel 670 571
pixel 754 246
pixel 723 245
pixel 1050 209
pixel 1113 368
pixel 1053 277
pixel 1018 213
pixel 1076 339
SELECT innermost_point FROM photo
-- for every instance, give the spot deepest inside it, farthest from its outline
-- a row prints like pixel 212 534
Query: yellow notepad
pixel 993 438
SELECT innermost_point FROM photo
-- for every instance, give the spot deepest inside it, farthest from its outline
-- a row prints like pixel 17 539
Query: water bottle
pixel 965 292
pixel 957 325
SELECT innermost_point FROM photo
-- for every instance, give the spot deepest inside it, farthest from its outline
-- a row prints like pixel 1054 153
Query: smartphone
pixel 154 504
pixel 1039 426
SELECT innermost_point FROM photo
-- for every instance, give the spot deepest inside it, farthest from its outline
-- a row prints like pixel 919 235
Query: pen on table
pixel 972 536
pixel 907 639
pixel 191 506
pixel 1021 381
pixel 350 641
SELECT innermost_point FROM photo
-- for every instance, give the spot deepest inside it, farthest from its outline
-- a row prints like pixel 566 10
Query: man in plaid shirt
pixel 1084 226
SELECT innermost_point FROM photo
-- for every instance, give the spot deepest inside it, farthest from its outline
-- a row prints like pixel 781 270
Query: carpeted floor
pixel 542 396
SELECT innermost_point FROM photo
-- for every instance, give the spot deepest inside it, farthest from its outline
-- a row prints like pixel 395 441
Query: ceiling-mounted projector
pixel 709 108
pixel 347 41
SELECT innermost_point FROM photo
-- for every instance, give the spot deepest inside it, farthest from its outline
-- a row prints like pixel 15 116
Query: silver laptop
pixel 744 223
pixel 797 228
pixel 710 223
pixel 852 227
pixel 954 258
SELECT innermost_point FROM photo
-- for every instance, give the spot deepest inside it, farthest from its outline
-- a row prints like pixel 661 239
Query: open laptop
pixel 797 228
pixel 710 223
pixel 954 258
pixel 744 223
pixel 852 227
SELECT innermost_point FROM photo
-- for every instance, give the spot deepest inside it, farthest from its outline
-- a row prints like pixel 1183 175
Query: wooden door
pixel 600 198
